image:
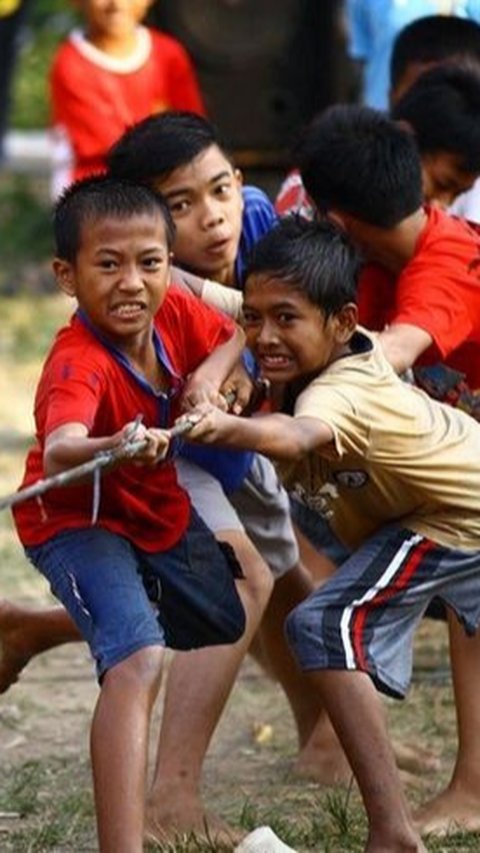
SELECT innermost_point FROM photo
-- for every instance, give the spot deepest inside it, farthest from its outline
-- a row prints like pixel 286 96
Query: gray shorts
pixel 364 617
pixel 259 508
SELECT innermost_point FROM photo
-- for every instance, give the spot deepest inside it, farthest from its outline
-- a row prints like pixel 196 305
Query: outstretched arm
pixel 70 445
pixel 278 436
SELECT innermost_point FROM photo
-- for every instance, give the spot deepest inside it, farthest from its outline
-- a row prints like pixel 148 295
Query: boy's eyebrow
pixel 286 303
pixel 114 250
pixel 225 173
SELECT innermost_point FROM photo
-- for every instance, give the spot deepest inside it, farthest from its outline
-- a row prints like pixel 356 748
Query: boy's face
pixel 288 334
pixel 206 203
pixel 443 178
pixel 113 18
pixel 120 275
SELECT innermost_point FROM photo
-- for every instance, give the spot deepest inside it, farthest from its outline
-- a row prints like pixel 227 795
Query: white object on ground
pixel 263 840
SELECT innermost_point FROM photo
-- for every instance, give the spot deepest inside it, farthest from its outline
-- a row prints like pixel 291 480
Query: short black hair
pixel 97 198
pixel 357 160
pixel 316 258
pixel 434 38
pixel 443 108
pixel 161 143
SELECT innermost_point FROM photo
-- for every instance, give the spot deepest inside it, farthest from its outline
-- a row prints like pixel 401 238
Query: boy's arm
pixel 402 344
pixel 219 296
pixel 70 445
pixel 279 436
pixel 205 382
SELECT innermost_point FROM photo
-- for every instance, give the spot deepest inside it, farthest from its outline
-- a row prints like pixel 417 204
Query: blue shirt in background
pixel 373 26
pixel 231 467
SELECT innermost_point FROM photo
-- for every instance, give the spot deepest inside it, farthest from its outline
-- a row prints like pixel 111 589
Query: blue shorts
pixel 364 617
pixel 123 599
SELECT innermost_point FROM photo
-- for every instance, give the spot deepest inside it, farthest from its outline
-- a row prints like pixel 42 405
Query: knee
pixel 139 673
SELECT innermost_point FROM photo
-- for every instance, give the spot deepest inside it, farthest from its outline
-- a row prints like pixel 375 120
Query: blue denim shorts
pixel 123 598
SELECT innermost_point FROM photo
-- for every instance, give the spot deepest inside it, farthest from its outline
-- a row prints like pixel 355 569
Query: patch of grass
pixel 22 790
pixel 54 802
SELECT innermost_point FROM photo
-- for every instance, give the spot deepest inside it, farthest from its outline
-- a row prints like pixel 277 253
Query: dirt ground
pixel 45 788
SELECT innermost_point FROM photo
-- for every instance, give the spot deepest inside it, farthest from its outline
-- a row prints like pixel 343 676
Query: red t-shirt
pixel 95 98
pixel 438 291
pixel 292 197
pixel 86 381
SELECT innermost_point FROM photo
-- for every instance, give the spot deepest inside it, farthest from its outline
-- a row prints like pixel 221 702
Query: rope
pixel 93 466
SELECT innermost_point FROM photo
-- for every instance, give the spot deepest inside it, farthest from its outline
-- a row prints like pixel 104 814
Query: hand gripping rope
pixel 94 466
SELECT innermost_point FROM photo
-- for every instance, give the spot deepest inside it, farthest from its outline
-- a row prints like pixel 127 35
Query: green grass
pixel 53 801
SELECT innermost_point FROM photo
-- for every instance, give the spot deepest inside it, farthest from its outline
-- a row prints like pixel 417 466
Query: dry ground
pixel 45 792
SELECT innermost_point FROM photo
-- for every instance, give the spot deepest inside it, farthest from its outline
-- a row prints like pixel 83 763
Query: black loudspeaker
pixel 265 66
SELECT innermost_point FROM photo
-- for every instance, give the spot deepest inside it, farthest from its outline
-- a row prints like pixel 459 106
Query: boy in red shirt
pixel 126 351
pixel 108 78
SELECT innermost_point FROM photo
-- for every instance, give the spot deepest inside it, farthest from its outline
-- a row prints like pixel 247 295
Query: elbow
pixel 291 448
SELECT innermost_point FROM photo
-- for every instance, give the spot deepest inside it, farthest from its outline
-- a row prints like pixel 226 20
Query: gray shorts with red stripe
pixel 364 618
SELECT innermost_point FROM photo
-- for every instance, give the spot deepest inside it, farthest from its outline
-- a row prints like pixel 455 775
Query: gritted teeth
pixel 125 308
pixel 274 359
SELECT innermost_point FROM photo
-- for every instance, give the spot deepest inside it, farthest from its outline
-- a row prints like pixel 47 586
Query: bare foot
pixel 181 816
pixel 14 655
pixel 451 811
pixel 327 766
pixel 415 759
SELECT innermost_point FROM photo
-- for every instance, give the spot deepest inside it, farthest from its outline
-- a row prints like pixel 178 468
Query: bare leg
pixel 119 748
pixel 321 757
pixel 357 714
pixel 198 686
pixel 25 633
pixel 458 806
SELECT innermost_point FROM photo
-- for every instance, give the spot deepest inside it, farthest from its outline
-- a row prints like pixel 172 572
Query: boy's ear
pixel 63 273
pixel 346 322
pixel 238 177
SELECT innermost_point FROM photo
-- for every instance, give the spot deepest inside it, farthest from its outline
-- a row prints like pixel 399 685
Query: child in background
pixel 396 475
pixel 449 99
pixel 443 109
pixel 129 349
pixel 373 25
pixel 108 77
pixel 426 43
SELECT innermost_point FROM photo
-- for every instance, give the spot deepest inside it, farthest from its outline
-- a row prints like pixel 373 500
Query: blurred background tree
pixel 48 22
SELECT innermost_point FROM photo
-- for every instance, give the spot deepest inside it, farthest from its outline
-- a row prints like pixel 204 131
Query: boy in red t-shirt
pixel 127 351
pixel 107 78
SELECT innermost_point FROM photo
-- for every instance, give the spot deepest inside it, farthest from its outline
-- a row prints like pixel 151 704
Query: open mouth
pixel 128 310
pixel 273 363
pixel 218 248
